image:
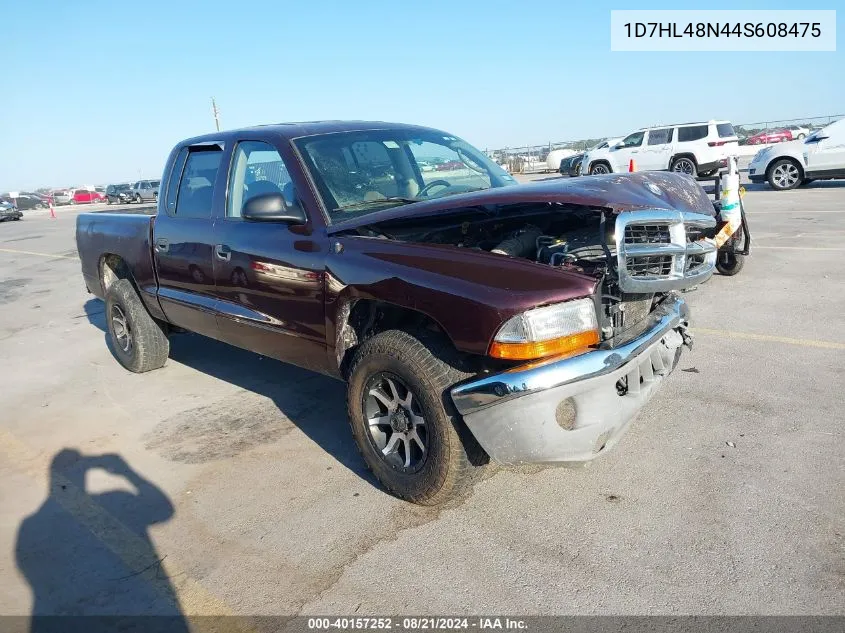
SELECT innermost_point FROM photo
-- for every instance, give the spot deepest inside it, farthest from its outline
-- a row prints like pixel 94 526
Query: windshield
pixel 363 172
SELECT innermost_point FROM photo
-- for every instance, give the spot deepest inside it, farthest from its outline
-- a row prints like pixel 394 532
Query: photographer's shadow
pixel 87 554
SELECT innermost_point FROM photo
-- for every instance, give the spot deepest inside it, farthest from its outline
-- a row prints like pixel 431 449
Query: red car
pixel 769 136
pixel 86 196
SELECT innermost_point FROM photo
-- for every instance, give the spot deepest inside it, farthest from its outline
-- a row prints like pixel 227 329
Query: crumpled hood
pixel 617 192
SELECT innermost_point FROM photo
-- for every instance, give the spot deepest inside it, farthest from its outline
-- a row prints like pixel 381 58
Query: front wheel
pixel 139 199
pixel 728 263
pixel 684 165
pixel 138 341
pixel 785 174
pixel 598 169
pixel 403 419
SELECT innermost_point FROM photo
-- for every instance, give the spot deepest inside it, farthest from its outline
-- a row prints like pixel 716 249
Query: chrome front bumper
pixel 575 408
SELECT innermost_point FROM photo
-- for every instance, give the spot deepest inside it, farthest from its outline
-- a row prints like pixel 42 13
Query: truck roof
pixel 306 128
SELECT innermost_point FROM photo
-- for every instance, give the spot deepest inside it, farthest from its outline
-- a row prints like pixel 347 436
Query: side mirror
pixel 271 207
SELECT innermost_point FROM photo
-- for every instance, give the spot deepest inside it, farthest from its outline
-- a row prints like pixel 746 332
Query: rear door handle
pixel 223 252
pixel 162 245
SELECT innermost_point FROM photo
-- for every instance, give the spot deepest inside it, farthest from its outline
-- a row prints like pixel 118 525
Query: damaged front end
pixel 639 253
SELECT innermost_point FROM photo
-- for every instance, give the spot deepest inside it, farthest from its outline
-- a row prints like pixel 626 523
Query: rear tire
pixel 137 341
pixel 436 467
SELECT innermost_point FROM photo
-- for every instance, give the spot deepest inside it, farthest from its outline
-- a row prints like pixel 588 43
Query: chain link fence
pixel 535 158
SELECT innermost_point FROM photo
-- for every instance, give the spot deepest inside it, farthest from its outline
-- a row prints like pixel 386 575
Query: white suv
pixel 787 165
pixel 697 149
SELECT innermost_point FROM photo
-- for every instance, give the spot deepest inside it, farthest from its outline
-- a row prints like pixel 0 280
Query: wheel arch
pixel 111 268
pixel 359 319
pixel 689 155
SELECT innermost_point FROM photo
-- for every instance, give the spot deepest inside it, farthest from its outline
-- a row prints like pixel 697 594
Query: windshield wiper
pixel 363 204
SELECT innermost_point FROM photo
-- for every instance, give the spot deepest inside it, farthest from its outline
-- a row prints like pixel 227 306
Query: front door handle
pixel 162 245
pixel 223 252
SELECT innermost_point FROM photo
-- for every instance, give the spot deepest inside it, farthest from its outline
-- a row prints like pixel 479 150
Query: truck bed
pixel 127 235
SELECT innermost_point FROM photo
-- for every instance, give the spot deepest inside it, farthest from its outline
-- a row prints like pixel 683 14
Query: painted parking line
pixel 194 599
pixel 750 336
pixel 798 248
pixel 17 252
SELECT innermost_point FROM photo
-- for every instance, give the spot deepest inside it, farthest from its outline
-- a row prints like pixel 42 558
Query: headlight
pixel 561 328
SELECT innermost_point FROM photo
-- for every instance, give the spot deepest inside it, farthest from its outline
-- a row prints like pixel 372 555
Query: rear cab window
pixel 190 186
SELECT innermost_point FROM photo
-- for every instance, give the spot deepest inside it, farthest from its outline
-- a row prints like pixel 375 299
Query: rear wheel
pixel 403 419
pixel 785 174
pixel 138 341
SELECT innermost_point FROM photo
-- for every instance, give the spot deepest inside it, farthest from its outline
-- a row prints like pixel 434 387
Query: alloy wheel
pixel 785 175
pixel 120 328
pixel 396 424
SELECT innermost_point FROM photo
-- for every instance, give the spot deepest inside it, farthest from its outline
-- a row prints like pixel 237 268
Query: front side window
pixel 692 133
pixel 632 140
pixel 257 169
pixel 660 137
pixel 362 172
pixel 196 188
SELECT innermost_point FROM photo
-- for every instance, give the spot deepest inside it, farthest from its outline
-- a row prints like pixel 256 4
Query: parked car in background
pixel 25 201
pixel 87 196
pixel 145 190
pixel 9 212
pixel 119 194
pixel 571 165
pixel 798 133
pixel 769 136
pixel 556 157
pixel 62 196
pixel 695 149
pixel 819 156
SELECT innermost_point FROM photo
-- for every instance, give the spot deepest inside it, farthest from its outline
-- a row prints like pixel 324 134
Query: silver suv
pixel 144 190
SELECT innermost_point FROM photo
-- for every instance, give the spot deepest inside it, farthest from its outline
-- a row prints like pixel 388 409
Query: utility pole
pixel 216 113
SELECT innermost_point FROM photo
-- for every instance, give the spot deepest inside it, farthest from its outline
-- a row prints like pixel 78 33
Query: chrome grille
pixel 649 265
pixel 647 234
pixel 659 250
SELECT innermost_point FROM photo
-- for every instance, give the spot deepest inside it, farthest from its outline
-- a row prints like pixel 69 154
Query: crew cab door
pixel 269 274
pixel 182 240
pixel 625 150
pixel 657 151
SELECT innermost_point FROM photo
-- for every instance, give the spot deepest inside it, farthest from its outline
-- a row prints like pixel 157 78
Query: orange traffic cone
pixel 52 211
pixel 632 166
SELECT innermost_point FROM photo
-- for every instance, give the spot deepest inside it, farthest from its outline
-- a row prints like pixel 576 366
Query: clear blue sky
pixel 98 91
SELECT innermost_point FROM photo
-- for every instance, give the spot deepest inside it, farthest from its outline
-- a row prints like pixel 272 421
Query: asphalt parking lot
pixel 228 483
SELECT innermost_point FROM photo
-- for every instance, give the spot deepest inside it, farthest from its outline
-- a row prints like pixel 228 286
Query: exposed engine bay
pixel 569 237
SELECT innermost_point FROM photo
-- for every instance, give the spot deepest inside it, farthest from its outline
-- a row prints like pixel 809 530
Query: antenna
pixel 216 113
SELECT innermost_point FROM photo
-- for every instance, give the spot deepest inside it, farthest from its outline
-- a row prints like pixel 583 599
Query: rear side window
pixel 725 130
pixel 196 188
pixel 660 137
pixel 692 133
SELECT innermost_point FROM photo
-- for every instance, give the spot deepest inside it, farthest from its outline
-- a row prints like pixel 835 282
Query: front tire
pixel 403 419
pixel 785 174
pixel 138 341
pixel 599 169
pixel 684 165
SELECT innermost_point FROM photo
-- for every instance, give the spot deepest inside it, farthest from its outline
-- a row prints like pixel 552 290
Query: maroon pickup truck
pixel 472 317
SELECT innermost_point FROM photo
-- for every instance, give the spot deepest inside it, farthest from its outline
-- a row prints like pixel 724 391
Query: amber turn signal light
pixel 541 349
